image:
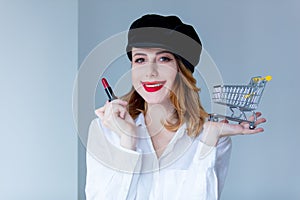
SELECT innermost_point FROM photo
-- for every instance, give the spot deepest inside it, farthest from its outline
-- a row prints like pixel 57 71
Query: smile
pixel 153 86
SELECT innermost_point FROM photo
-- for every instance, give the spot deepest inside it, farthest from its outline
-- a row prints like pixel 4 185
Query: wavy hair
pixel 185 98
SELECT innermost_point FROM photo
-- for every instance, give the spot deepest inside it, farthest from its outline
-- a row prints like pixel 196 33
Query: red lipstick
pixel 110 94
pixel 153 86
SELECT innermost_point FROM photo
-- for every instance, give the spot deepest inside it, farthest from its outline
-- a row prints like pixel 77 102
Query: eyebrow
pixel 157 53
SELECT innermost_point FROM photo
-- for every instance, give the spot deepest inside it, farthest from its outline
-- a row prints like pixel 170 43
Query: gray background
pixel 244 38
pixel 39 61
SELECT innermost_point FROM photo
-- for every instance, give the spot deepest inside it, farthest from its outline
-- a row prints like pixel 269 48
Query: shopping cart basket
pixel 240 99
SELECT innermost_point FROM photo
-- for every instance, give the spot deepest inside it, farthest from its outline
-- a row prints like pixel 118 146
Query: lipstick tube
pixel 110 94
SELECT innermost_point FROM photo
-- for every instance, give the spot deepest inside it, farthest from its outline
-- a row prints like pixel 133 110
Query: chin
pixel 155 99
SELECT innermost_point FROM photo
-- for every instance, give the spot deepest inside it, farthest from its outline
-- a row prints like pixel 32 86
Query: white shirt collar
pixel 181 134
pixel 140 121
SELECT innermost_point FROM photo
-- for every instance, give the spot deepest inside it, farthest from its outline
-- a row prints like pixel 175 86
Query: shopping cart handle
pixel 268 78
pixel 257 79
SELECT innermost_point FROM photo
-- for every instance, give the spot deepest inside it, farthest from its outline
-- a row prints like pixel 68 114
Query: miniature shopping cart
pixel 240 99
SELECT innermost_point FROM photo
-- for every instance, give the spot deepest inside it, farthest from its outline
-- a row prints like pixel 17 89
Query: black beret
pixel 167 32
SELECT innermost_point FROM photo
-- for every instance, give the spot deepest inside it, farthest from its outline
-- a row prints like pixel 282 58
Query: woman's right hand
pixel 115 116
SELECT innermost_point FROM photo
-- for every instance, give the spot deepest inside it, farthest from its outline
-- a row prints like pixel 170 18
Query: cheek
pixel 171 68
pixel 171 73
pixel 135 77
pixel 172 82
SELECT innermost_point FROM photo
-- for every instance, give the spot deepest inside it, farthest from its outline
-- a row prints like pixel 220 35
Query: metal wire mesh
pixel 245 97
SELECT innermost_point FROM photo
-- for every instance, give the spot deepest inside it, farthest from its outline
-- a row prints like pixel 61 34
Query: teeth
pixel 154 85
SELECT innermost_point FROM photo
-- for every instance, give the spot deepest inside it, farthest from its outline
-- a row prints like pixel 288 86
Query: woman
pixel 156 142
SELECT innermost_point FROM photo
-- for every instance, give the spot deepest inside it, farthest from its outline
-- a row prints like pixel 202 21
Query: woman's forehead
pixel 149 51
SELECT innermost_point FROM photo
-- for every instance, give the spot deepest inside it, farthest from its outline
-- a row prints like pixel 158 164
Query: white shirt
pixel 188 169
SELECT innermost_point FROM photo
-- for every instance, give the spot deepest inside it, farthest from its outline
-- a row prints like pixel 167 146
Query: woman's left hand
pixel 215 130
pixel 242 128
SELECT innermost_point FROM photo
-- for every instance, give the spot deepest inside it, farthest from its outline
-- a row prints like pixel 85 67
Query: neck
pixel 157 115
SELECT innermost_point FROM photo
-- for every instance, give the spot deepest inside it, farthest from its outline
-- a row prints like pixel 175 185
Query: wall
pixel 38 63
pixel 244 38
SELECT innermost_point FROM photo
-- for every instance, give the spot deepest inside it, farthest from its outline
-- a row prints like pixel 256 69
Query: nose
pixel 152 70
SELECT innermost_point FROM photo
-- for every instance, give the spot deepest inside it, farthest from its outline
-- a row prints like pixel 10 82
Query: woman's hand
pixel 115 116
pixel 215 130
pixel 242 128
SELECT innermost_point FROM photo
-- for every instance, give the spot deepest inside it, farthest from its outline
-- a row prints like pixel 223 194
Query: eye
pixel 164 59
pixel 139 60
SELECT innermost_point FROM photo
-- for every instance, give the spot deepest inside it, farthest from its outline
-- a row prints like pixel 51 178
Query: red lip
pixel 153 86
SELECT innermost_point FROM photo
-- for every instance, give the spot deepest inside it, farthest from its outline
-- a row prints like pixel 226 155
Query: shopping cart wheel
pixel 252 125
pixel 213 118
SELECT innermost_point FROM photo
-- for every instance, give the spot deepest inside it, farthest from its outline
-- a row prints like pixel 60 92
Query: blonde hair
pixel 185 98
